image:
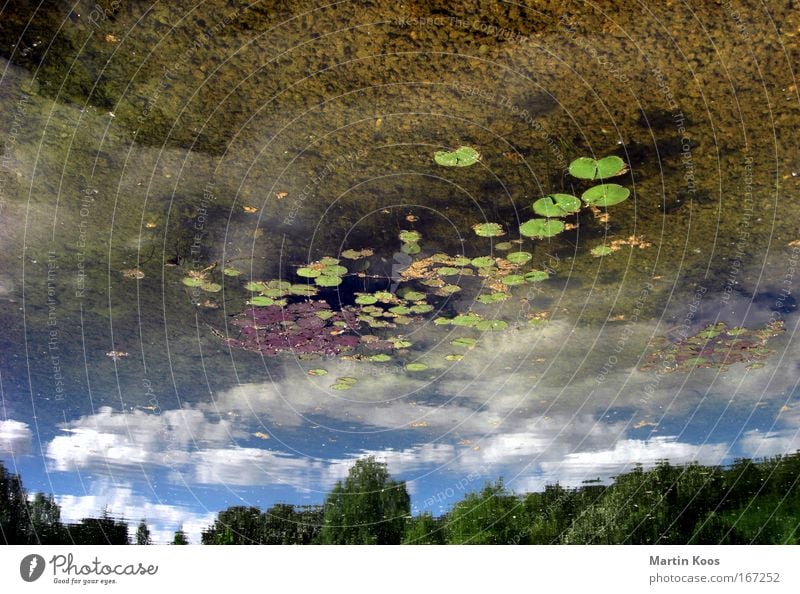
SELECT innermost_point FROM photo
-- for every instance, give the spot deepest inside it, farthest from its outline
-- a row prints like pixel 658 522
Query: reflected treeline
pixel 750 502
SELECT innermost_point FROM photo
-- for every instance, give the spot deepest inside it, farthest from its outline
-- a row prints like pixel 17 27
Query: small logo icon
pixel 31 567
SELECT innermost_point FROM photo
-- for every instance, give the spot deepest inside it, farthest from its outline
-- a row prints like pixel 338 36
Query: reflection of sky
pixel 443 435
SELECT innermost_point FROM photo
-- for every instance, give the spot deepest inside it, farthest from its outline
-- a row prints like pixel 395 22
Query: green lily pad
pixel 541 228
pixel 448 290
pixel 503 246
pixel 588 168
pixel 193 282
pixel 385 296
pixel 416 367
pixel 306 272
pixel 380 358
pixel 274 293
pixel 402 320
pixel 468 320
pixel 605 195
pixel 519 257
pixel 512 280
pixel 279 284
pixel 601 250
pixel 347 380
pixel 410 236
pixel 357 254
pixel 211 287
pixel 482 261
pixel 399 343
pixel 447 271
pixel 488 229
pixel 400 310
pixel 325 314
pixel 454 357
pixel 304 290
pixel 557 205
pixel 366 299
pixel 421 308
pixel 413 295
pixel 260 300
pixel 341 386
pixel 334 270
pixel 328 281
pixel 328 261
pixel 463 156
pixel 440 321
pixel 491 325
pixel 461 261
pixel 464 341
pixel 492 298
pixel 317 372
pixel 410 248
pixel 231 272
pixel 536 276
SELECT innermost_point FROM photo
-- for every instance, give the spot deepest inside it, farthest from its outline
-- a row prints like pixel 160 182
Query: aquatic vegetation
pixel 416 366
pixel 491 325
pixel 366 299
pixel 260 301
pixel 132 273
pixel 541 228
pixel 231 272
pixel 601 250
pixel 412 249
pixel 492 298
pixel 503 246
pixel 591 169
pixel 464 342
pixel 536 276
pixel 605 195
pixel 357 254
pixel 317 372
pixel 463 156
pixel 307 272
pixel 328 281
pixel 192 282
pixel 488 230
pixel 716 346
pixel 380 358
pixel 519 257
pixel 512 280
pixel 454 357
pixel 410 236
pixel 557 205
pixel 482 261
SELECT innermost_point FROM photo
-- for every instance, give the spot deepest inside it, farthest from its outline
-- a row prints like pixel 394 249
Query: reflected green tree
pixel 424 529
pixel 143 534
pixel 492 516
pixel 180 537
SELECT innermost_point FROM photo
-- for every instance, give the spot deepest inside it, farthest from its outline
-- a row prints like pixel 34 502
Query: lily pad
pixel 410 248
pixel 535 276
pixel 447 271
pixel 328 281
pixel 541 228
pixel 341 386
pixel 410 236
pixel 366 299
pixel 325 314
pixel 491 325
pixel 454 357
pixel 461 261
pixel 492 298
pixel 488 229
pixel 334 270
pixel 413 295
pixel 557 205
pixel 421 308
pixel 306 272
pixel 588 168
pixel 273 292
pixel 346 380
pixel 482 261
pixel 260 300
pixel 231 272
pixel 464 341
pixel 193 282
pixel 463 156
pixel 416 367
pixel 468 320
pixel 380 358
pixel 605 195
pixel 400 310
pixel 519 257
pixel 317 372
pixel 211 287
pixel 503 246
pixel 328 261
pixel 385 296
pixel 447 290
pixel 601 250
pixel 357 254
pixel 304 290
pixel 512 280
pixel 399 343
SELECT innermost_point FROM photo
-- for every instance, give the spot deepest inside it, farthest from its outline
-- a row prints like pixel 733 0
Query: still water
pixel 185 188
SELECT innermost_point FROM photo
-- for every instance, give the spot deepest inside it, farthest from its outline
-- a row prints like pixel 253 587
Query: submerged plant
pixel 463 156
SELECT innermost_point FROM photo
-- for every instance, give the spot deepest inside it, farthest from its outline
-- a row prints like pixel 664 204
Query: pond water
pixel 226 146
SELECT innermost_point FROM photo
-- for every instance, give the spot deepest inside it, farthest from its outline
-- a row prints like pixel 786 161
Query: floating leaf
pixel 461 261
pixel 605 195
pixel 503 246
pixel 447 271
pixel 519 257
pixel 440 321
pixel 410 236
pixel 325 314
pixel 463 156
pixel 403 320
pixel 211 287
pixel 588 168
pixel 341 386
pixel 306 272
pixel 401 344
pixel 482 261
pixel 334 270
pixel 410 248
pixel 304 290
pixel 464 341
pixel 279 284
pixel 193 282
pixel 485 325
pixel 421 308
pixel 328 261
pixel 380 358
pixel 416 367
pixel 357 254
pixel 512 280
pixel 541 228
pixel 346 380
pixel 454 357
pixel 492 298
pixel 413 295
pixel 260 300
pixel 273 292
pixel 601 250
pixel 385 296
pixel 447 290
pixel 399 310
pixel 366 299
pixel 488 229
pixel 317 372
pixel 535 276
pixel 328 281
pixel 465 320
pixel 557 205
pixel 231 272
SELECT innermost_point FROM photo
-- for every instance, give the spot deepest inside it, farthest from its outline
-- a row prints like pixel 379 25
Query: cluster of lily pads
pixel 716 346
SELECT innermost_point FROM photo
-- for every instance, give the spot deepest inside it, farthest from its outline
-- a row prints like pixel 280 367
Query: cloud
pixel 15 437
